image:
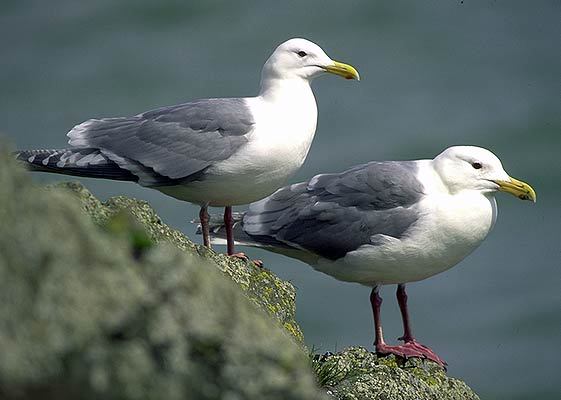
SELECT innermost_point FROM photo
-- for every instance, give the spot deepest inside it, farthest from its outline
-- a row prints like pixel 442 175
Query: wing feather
pixel 176 142
pixel 333 214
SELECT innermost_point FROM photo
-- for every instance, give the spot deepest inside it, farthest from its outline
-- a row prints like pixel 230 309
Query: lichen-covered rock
pixel 90 312
pixel 125 307
pixel 275 296
pixel 357 374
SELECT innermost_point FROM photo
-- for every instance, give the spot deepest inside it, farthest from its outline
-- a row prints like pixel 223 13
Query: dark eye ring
pixel 476 165
pixel 302 53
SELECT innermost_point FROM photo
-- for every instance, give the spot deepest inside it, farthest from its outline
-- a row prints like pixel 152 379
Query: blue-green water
pixel 434 74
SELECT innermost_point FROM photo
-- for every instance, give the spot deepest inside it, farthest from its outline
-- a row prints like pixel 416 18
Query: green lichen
pixel 356 373
pixel 389 361
pixel 131 308
pixel 261 286
pixel 106 311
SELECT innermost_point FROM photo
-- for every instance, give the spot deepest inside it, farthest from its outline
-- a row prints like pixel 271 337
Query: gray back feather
pixel 177 142
pixel 333 214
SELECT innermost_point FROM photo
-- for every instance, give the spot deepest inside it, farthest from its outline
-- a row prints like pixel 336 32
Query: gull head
pixel 476 168
pixel 302 59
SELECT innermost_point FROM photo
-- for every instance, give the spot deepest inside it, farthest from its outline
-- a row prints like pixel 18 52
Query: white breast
pixel 450 228
pixel 285 125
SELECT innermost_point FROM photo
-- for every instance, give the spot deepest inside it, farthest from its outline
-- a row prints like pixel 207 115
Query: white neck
pixel 285 115
pixel 274 89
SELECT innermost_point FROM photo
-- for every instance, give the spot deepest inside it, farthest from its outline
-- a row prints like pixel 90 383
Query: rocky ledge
pixel 104 300
pixel 357 374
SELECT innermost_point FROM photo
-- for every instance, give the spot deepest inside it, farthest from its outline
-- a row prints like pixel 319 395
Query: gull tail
pixel 218 231
pixel 87 162
pixel 241 237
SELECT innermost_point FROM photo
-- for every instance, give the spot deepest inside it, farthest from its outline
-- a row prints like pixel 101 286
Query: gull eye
pixel 302 53
pixel 476 165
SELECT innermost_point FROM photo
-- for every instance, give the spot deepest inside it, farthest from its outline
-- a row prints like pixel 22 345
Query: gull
pixel 384 223
pixel 212 152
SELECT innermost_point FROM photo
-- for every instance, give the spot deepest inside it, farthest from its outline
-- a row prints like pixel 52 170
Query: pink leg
pixel 408 337
pixel 402 301
pixel 204 218
pixel 411 348
pixel 228 222
pixel 376 303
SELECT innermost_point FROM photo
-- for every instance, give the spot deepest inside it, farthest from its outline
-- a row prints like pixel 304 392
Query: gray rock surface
pixel 357 374
pixel 105 301
pixel 90 312
pixel 261 286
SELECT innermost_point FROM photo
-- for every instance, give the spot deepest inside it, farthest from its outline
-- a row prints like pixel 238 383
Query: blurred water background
pixel 434 74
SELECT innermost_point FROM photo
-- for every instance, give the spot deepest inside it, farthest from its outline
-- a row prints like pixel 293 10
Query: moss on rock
pixel 126 307
pixel 357 374
pixel 275 296
pixel 85 314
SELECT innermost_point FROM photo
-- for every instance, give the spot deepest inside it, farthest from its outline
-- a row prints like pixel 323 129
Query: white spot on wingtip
pixel 47 159
pixel 313 181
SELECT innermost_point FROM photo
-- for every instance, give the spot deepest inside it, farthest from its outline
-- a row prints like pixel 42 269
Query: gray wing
pixel 177 142
pixel 333 214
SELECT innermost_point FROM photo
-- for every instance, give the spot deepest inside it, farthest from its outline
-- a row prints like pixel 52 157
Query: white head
pixel 302 59
pixel 476 168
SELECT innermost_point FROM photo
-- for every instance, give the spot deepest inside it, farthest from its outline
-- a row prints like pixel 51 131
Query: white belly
pixel 234 186
pixel 276 149
pixel 442 238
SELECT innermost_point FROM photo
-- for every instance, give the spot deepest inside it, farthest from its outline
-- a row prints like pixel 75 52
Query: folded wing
pixel 334 214
pixel 175 143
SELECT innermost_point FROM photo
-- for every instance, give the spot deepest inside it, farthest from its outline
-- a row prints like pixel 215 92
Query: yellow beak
pixel 345 70
pixel 517 188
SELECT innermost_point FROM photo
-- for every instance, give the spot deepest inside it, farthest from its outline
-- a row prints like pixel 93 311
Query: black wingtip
pixel 86 162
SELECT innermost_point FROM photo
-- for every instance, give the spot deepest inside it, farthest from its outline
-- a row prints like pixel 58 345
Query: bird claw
pixel 244 257
pixel 240 256
pixel 411 349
